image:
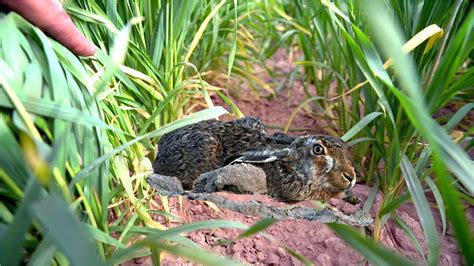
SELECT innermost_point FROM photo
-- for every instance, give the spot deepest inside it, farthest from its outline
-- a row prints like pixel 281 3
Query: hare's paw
pixel 350 198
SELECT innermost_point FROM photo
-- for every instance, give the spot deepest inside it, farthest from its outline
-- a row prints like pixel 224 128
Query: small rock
pixel 247 243
pixel 445 259
pixel 331 242
pixel 259 244
pixel 237 255
pixel 324 260
pixel 238 178
pixel 280 252
pixel 199 239
pixel 333 202
pixel 250 258
pixel 272 259
pixel 139 260
pixel 237 248
pixel 261 256
pixel 197 209
pixel 348 208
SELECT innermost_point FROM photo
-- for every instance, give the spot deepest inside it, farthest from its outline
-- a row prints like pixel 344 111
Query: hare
pixel 309 167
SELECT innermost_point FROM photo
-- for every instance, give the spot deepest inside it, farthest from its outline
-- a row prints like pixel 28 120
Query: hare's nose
pixel 351 177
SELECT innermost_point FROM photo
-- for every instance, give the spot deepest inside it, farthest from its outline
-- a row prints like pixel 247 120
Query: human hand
pixel 50 16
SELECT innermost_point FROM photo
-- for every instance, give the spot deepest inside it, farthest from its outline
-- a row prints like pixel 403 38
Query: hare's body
pixel 294 170
pixel 198 148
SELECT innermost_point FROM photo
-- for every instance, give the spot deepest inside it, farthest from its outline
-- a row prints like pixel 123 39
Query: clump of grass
pixel 388 111
pixel 86 129
pixel 63 169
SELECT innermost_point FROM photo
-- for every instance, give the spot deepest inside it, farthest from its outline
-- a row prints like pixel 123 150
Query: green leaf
pixel 12 240
pixel 101 236
pixel 439 202
pixel 66 231
pixel 52 109
pixel 423 210
pixel 12 161
pixel 360 125
pixel 196 255
pixel 159 235
pixel 234 44
pixel 258 227
pixel 373 252
pixel 404 226
pixel 458 116
pixel 194 118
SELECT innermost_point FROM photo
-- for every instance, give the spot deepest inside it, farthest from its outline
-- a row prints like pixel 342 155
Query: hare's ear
pixel 261 155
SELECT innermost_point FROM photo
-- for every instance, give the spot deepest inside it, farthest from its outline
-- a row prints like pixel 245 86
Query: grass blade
pixel 259 226
pixel 360 125
pixel 62 227
pixel 373 252
pixel 423 209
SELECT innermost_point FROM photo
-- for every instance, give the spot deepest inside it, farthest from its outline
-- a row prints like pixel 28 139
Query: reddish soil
pixel 312 239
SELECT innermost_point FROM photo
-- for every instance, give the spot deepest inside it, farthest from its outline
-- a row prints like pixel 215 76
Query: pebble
pixel 199 239
pixel 250 258
pixel 324 260
pixel 237 248
pixel 445 259
pixel 262 257
pixel 197 209
pixel 348 208
pixel 280 252
pixel 333 202
pixel 139 260
pixel 272 259
pixel 259 245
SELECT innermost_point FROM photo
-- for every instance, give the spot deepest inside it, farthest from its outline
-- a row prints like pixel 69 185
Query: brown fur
pixel 293 171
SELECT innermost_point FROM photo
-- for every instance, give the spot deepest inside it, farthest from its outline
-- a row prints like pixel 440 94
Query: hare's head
pixel 309 167
pixel 328 164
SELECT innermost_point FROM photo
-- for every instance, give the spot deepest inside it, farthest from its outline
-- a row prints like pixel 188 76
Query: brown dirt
pixel 312 239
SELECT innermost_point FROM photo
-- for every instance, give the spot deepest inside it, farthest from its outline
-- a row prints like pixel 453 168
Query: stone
pixel 272 259
pixel 324 260
pixel 239 178
pixel 166 185
pixel 280 252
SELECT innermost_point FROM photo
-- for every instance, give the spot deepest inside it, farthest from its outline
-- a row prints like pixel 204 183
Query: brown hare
pixel 309 167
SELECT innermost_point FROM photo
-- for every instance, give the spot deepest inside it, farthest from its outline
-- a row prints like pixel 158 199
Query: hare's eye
pixel 318 149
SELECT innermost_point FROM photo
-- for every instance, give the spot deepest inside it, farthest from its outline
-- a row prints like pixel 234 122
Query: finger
pixel 50 16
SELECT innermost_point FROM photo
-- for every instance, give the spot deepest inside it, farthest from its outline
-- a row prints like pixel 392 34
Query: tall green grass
pixel 78 136
pixel 404 151
pixel 75 136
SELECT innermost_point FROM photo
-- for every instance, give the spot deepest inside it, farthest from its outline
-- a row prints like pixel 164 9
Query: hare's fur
pixel 293 170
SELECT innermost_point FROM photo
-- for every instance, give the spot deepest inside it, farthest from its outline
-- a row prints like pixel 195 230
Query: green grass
pixel 78 135
pixel 349 42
